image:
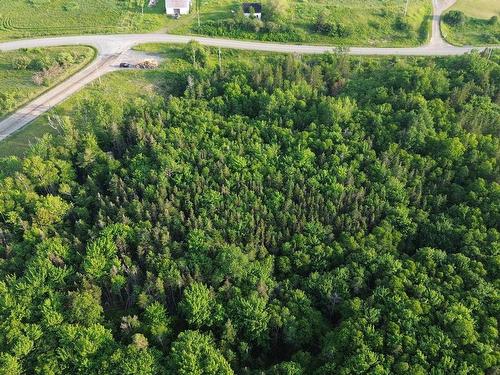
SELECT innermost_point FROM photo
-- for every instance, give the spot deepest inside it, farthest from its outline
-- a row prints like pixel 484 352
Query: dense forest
pixel 298 215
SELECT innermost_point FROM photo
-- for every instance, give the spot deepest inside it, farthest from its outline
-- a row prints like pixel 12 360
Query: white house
pixel 177 7
pixel 255 8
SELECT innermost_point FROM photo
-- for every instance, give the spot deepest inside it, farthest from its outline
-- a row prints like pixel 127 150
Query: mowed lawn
pixel 369 22
pixel 29 18
pixel 479 28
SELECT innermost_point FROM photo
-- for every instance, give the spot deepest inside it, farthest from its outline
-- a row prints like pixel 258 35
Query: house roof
pixel 178 3
pixel 257 7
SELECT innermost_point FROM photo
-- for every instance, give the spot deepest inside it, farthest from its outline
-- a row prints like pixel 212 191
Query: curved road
pixel 113 49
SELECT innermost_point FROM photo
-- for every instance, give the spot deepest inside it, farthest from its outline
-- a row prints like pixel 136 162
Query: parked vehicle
pixel 125 65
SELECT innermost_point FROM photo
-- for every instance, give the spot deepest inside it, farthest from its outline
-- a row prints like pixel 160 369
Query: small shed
pixel 256 7
pixel 177 7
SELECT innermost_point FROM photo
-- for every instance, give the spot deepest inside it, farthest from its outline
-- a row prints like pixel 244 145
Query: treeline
pixel 296 215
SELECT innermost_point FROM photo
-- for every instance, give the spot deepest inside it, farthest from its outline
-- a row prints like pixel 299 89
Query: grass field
pixel 478 28
pixel 483 9
pixel 18 82
pixel 368 22
pixel 28 18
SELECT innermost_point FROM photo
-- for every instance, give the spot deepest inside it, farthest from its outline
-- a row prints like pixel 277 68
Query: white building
pixel 177 7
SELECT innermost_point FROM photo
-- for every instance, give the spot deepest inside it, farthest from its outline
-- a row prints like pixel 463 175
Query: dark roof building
pixel 257 7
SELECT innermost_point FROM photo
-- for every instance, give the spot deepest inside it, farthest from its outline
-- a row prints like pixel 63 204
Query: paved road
pixel 439 6
pixel 113 49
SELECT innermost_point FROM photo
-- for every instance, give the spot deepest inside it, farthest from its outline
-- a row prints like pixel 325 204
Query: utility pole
pixel 220 60
pixel 97 73
pixel 198 5
pixel 406 7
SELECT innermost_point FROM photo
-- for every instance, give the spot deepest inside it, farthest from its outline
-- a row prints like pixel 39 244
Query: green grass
pixel 477 30
pixel 18 143
pixel 174 59
pixel 483 9
pixel 29 18
pixel 370 22
pixel 18 83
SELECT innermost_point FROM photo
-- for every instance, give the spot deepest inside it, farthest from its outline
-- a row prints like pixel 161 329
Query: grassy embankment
pixel 18 82
pixel 479 28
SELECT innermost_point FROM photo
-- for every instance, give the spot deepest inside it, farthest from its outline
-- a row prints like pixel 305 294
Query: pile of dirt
pixel 147 64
